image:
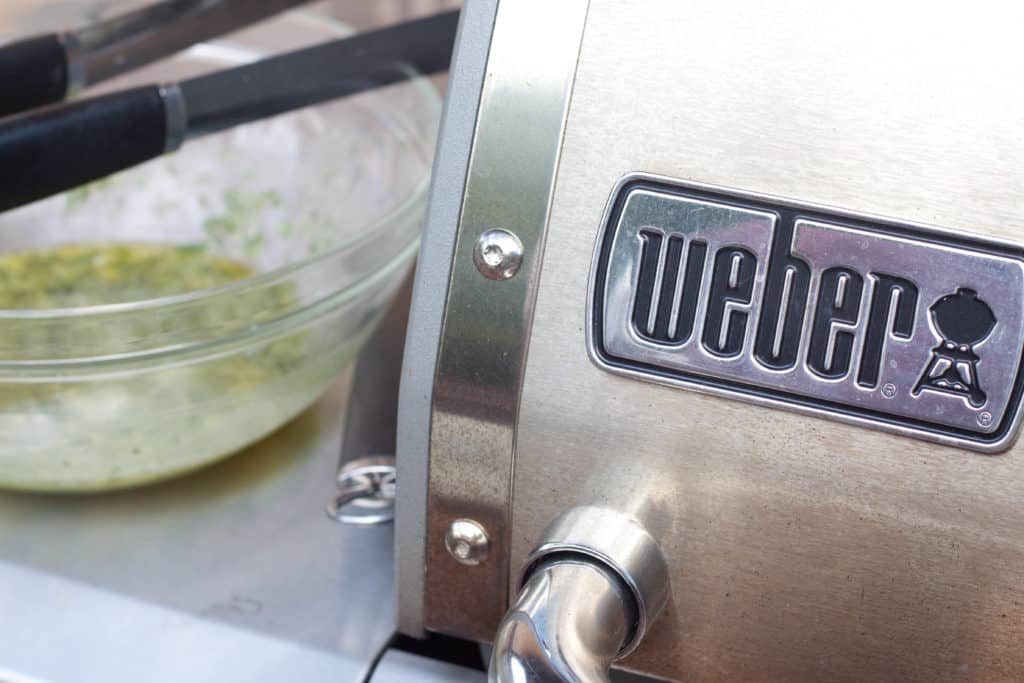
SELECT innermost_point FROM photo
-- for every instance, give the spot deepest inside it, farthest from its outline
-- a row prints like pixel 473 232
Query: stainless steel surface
pixel 425 318
pixel 487 322
pixel 589 591
pixel 570 622
pixel 351 65
pixel 107 637
pixel 176 116
pixel 467 542
pixel 366 492
pixel 885 275
pixel 205 568
pixel 498 254
pixel 403 667
pixel 799 548
pixel 129 40
pixel 621 544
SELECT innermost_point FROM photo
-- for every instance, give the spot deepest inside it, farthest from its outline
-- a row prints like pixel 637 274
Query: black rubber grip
pixel 43 153
pixel 33 73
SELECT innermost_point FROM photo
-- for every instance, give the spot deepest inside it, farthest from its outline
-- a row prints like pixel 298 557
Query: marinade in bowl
pixel 166 317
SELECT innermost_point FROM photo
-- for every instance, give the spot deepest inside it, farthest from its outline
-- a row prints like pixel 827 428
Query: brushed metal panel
pixel 523 102
pixel 801 549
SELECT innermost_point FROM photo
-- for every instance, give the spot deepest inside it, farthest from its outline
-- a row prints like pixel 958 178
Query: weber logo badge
pixel 894 325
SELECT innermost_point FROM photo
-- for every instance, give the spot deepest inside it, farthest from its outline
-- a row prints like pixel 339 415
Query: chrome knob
pixel 589 592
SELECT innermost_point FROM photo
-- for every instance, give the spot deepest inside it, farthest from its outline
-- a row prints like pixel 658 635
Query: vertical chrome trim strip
pixel 419 364
pixel 523 107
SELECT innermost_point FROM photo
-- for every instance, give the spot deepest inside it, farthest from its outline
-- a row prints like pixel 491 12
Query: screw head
pixel 985 419
pixel 498 254
pixel 467 542
pixel 889 390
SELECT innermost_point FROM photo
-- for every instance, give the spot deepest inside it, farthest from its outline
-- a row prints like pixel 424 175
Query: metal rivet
pixel 498 254
pixel 467 542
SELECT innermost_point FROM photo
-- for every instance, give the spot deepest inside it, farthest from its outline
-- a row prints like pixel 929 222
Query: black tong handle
pixel 57 149
pixel 33 73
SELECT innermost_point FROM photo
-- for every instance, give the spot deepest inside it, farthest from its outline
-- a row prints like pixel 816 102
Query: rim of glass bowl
pixel 399 227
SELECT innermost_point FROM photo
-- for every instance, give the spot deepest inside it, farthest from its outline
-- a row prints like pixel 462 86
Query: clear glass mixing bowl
pixel 326 204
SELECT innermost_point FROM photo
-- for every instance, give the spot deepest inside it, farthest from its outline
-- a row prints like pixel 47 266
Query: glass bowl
pixel 325 205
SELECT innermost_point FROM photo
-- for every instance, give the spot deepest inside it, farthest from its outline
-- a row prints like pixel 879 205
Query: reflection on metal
pixel 467 542
pixel 826 311
pixel 569 624
pixel 366 492
pixel 591 589
pixel 176 116
pixel 522 109
pixel 799 548
pixel 622 544
pixel 498 254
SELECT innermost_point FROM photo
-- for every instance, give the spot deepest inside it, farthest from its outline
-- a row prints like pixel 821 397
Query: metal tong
pixel 49 151
pixel 46 69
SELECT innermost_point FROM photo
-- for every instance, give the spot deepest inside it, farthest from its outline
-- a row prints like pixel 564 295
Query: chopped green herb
pixel 86 275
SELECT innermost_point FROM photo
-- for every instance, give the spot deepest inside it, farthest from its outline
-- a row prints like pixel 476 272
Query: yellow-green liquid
pixel 94 429
pixel 76 275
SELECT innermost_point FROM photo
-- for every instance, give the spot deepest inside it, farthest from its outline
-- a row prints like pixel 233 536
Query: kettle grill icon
pixel 963 320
